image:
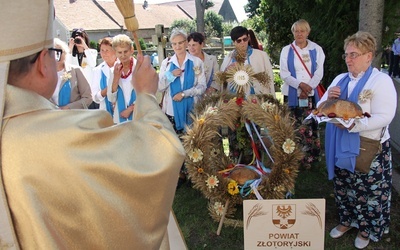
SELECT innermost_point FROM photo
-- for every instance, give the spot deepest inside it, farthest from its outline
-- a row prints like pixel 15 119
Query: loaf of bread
pixel 338 108
pixel 241 175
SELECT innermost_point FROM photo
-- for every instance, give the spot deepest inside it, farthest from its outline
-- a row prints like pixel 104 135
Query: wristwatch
pixel 183 94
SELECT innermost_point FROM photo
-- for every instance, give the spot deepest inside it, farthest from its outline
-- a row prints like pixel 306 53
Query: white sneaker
pixel 361 243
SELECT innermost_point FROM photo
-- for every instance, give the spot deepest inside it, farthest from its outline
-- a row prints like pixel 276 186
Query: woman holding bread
pixel 362 196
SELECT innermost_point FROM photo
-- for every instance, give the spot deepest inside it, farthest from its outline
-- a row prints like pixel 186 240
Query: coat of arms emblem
pixel 284 215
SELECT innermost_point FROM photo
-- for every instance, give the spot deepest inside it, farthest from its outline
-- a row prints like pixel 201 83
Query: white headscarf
pixel 26 28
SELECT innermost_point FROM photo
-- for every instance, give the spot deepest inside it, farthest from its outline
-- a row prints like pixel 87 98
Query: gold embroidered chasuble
pixel 74 180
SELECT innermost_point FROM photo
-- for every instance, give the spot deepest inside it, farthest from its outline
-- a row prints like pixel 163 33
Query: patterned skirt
pixel 308 132
pixel 363 200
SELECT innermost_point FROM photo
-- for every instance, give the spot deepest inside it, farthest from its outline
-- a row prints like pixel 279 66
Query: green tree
pixel 142 43
pixel 213 24
pixel 184 24
pixel 331 22
pixel 227 27
pixel 212 20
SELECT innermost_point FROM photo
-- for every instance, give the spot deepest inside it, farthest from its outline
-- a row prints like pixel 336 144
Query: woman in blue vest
pixel 72 90
pixel 301 69
pixel 101 75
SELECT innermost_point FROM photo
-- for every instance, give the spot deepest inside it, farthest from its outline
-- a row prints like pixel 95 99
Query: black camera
pixel 77 41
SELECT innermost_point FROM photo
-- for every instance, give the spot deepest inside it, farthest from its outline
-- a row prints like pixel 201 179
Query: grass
pixel 199 229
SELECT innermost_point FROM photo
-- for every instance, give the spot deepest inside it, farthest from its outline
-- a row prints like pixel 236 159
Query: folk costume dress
pixel 293 73
pixel 74 180
pixel 101 78
pixel 125 95
pixel 363 200
pixel 260 62
pixel 192 83
pixel 72 90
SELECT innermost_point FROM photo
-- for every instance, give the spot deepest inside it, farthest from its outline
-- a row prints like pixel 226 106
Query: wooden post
pixel 221 222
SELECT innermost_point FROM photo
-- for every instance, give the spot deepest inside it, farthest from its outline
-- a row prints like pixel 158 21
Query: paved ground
pixel 394 129
pixel 396 168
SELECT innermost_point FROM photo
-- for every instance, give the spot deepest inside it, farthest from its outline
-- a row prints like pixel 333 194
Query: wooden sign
pixel 284 224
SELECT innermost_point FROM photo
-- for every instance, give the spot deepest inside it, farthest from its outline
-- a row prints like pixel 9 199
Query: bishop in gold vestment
pixel 76 181
pixel 71 179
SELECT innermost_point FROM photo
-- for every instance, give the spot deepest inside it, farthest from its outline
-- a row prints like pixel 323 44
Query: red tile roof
pixel 86 14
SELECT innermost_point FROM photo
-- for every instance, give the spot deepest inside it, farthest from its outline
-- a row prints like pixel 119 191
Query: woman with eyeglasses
pixel 302 69
pixel 182 81
pixel 72 90
pixel 362 197
pixel 257 59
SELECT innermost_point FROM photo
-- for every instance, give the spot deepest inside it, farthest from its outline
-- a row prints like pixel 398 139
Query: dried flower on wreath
pixel 219 208
pixel 212 181
pixel 224 117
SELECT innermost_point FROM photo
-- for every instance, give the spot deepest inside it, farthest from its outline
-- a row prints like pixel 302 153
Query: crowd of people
pixel 110 159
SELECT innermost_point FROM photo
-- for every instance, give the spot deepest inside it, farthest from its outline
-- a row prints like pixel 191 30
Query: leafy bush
pixel 94 45
pixel 142 43
pixel 277 79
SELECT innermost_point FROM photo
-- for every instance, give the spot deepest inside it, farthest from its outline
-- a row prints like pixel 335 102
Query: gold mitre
pixel 26 28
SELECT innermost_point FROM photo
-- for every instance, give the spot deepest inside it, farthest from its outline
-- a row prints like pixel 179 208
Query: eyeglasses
pixel 245 39
pixel 178 43
pixel 352 55
pixel 57 53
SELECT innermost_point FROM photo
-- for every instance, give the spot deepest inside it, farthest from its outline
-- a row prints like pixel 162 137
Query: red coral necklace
pixel 123 75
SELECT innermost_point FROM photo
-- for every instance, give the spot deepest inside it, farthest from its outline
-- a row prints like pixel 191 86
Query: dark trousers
pixel 394 65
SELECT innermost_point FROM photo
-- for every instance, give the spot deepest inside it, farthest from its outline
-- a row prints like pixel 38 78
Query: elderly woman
pixel 362 197
pixel 196 42
pixel 301 69
pixel 120 91
pixel 72 90
pixel 183 80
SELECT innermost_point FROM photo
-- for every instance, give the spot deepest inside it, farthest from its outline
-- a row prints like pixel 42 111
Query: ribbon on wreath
pixel 258 167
